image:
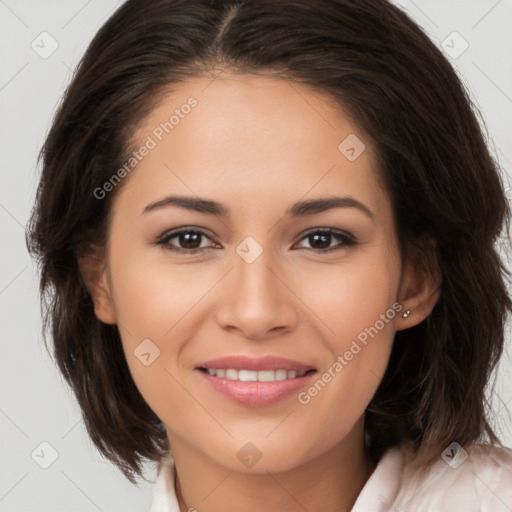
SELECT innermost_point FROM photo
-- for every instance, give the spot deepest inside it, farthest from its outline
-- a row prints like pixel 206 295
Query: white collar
pixel 377 495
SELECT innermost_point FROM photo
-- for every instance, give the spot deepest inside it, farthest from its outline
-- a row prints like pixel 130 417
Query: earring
pixel 406 314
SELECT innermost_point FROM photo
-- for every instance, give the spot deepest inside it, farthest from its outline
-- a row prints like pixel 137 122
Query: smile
pixel 255 381
pixel 255 376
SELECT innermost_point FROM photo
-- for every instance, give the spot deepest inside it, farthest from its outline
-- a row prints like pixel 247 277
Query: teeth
pixel 280 374
pixel 253 376
pixel 231 374
pixel 264 375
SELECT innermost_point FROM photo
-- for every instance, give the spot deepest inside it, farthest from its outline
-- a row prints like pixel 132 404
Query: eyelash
pixel 347 240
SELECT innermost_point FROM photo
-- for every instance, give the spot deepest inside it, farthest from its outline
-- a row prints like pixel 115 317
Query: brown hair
pixel 382 69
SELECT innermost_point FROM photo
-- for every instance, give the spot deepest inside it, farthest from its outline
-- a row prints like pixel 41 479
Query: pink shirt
pixel 479 480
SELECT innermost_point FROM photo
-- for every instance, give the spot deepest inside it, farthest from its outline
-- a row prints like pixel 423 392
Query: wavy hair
pixel 398 88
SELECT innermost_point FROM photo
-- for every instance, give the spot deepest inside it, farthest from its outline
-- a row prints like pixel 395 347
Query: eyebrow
pixel 298 209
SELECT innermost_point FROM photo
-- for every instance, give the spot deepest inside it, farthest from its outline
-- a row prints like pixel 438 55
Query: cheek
pixel 350 296
pixel 357 309
pixel 153 303
pixel 152 297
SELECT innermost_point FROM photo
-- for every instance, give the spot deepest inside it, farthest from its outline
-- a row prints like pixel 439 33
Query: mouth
pixel 245 375
pixel 256 382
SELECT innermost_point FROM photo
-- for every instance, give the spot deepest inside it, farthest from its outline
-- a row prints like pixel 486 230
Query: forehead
pixel 257 134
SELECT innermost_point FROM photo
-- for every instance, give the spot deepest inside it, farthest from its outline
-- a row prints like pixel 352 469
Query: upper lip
pixel 242 362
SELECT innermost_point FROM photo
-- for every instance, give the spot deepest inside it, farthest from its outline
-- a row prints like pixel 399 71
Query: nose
pixel 256 299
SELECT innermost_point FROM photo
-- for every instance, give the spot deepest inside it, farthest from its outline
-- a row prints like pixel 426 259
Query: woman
pixel 269 228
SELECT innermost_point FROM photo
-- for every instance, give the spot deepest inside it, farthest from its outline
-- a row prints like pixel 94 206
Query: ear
pixel 96 279
pixel 420 286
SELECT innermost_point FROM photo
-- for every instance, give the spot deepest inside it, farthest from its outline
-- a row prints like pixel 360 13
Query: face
pixel 253 276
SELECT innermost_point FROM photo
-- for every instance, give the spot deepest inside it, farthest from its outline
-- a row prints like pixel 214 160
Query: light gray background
pixel 35 405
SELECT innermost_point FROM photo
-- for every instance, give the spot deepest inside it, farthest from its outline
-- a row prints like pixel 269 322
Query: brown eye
pixel 189 240
pixel 186 240
pixel 321 239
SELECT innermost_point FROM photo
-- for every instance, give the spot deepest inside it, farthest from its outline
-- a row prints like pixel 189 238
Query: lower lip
pixel 255 393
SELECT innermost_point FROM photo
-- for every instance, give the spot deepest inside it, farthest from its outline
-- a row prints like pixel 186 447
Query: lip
pixel 242 362
pixel 255 393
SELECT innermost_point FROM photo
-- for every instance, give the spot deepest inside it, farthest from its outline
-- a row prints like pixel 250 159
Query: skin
pixel 257 144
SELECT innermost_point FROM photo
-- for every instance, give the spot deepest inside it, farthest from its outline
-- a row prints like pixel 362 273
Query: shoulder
pixel 475 479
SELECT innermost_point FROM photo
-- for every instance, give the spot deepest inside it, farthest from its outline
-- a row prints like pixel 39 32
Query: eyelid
pixel 347 239
pixel 166 236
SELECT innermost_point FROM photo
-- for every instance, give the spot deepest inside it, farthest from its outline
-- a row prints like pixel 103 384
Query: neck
pixel 330 481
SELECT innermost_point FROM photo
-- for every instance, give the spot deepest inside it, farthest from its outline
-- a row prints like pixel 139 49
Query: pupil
pixel 323 236
pixel 187 240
